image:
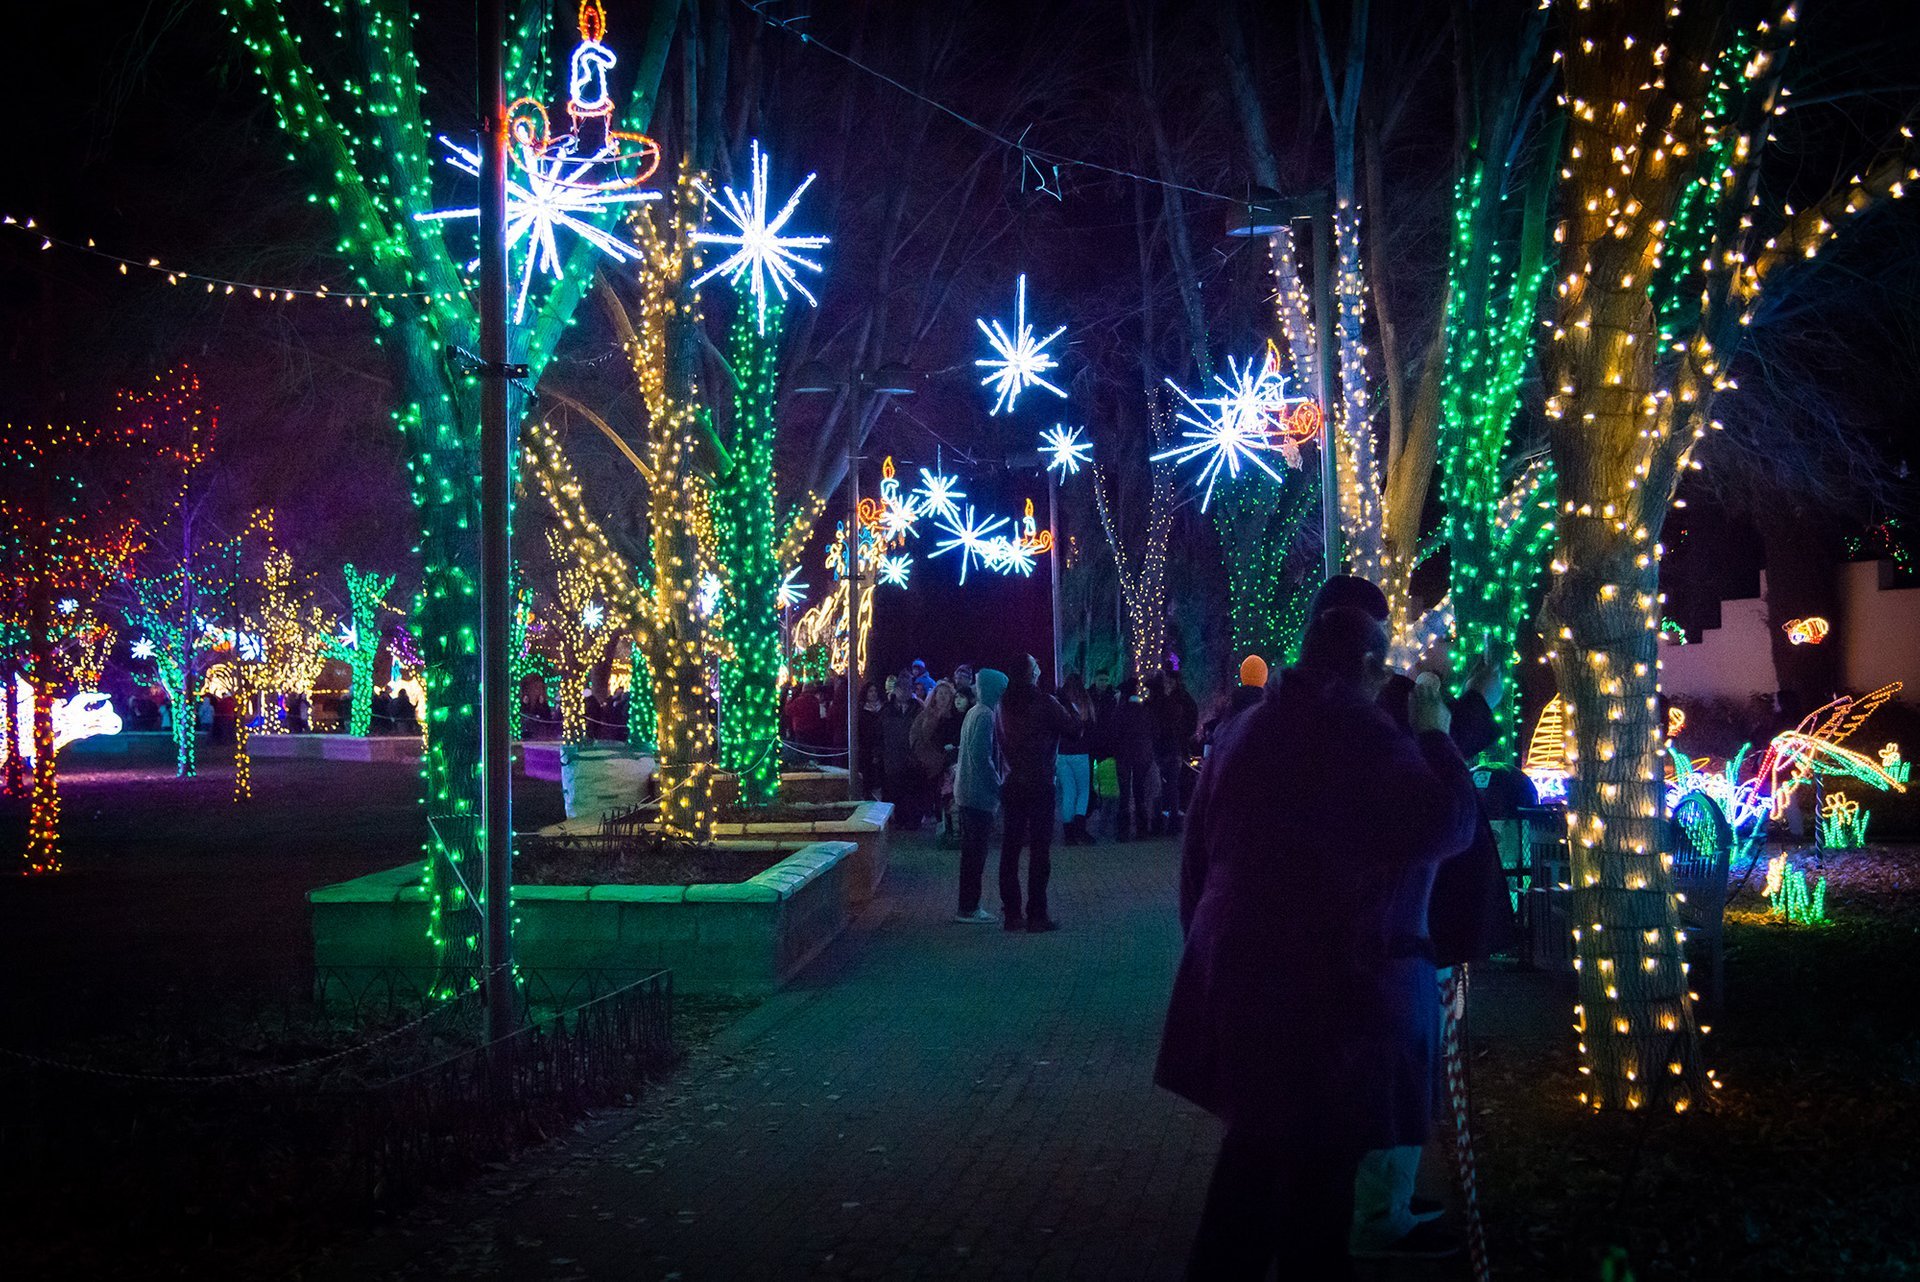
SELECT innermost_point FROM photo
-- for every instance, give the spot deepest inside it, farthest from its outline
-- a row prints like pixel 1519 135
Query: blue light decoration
pixel 566 181
pixel 592 615
pixel 1251 418
pixel 761 252
pixel 939 494
pixel 792 591
pixel 1066 449
pixel 973 537
pixel 894 569
pixel 1019 359
pixel 141 649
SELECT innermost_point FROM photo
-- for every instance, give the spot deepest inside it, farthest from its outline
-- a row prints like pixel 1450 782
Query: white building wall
pixel 1733 661
pixel 1878 631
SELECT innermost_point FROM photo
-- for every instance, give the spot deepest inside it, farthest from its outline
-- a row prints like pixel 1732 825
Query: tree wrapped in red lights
pixel 64 539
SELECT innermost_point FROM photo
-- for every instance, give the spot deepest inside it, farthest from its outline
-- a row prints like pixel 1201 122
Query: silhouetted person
pixel 1031 723
pixel 1131 740
pixel 1302 1013
pixel 1176 719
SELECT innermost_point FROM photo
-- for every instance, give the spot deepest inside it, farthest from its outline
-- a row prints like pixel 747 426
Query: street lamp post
pixel 887 380
pixel 1267 213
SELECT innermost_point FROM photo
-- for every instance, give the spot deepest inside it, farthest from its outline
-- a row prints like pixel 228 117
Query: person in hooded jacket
pixel 1031 723
pixel 1302 1011
pixel 976 791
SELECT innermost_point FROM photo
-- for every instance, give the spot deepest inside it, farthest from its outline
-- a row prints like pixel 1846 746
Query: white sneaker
pixel 978 917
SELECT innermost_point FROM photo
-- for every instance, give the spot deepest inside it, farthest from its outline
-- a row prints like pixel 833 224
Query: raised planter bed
pixel 862 823
pixel 739 939
pixel 335 747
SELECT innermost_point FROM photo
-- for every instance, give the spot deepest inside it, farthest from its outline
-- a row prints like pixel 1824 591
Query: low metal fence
pixel 340 1129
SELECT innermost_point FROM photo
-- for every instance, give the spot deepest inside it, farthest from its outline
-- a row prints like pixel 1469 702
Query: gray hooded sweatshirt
pixel 977 785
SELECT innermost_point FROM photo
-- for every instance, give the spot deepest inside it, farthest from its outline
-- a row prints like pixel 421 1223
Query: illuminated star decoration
pixel 592 615
pixel 897 518
pixel 1233 427
pixel 974 538
pixel 761 251
pixel 939 495
pixel 67 605
pixel 554 194
pixel 792 591
pixel 349 636
pixel 1066 449
pixel 710 592
pixel 894 569
pixel 1010 556
pixel 142 649
pixel 1020 359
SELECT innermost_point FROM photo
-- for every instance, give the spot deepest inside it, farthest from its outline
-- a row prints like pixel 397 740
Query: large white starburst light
pixel 972 537
pixel 1019 359
pixel 761 252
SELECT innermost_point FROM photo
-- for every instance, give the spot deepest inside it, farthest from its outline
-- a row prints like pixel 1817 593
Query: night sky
pixel 149 134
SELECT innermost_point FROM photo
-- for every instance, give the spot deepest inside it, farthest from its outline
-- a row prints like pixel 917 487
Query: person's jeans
pixel 1383 1197
pixel 1277 1195
pixel 976 830
pixel 1026 808
pixel 1075 773
pixel 1136 796
pixel 1173 769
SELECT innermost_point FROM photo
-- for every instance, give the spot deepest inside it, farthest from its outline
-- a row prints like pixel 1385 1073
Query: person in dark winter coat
pixel 1469 918
pixel 896 756
pixel 1176 719
pixel 1302 1012
pixel 1031 723
pixel 1131 741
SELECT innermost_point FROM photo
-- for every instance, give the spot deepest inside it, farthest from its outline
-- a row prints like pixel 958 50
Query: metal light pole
pixel 853 607
pixel 496 607
pixel 888 380
pixel 1266 213
pixel 1053 567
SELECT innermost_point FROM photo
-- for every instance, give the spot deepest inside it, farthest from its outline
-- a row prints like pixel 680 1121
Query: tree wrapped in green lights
pixel 1498 522
pixel 358 645
pixel 363 124
pixel 1667 250
pixel 742 498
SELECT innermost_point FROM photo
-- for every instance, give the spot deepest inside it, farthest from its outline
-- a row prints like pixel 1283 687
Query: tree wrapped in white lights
pixel 1666 248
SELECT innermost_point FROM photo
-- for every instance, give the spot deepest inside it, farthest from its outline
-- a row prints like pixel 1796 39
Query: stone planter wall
pixel 744 939
pixel 865 827
pixel 335 747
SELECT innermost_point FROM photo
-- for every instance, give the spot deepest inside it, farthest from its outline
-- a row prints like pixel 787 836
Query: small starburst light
pixel 1019 358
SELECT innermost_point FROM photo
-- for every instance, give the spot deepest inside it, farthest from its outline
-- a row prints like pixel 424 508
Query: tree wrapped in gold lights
pixel 663 342
pixel 1665 250
pixel 295 635
pixel 579 628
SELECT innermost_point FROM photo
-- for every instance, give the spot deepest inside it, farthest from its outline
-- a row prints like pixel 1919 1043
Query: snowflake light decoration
pixel 711 590
pixel 1234 428
pixel 1065 448
pixel 570 178
pixel 761 252
pixel 939 495
pixel 142 649
pixel 973 538
pixel 67 605
pixel 1019 359
pixel 792 591
pixel 1010 556
pixel 592 615
pixel 894 569
pixel 552 195
pixel 349 636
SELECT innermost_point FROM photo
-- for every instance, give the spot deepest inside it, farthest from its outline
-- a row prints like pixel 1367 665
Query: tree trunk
pixel 1636 1020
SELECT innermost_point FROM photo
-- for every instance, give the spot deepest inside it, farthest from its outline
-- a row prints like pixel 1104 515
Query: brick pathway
pixel 930 1100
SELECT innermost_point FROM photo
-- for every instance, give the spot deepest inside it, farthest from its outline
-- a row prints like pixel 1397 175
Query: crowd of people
pixel 1335 869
